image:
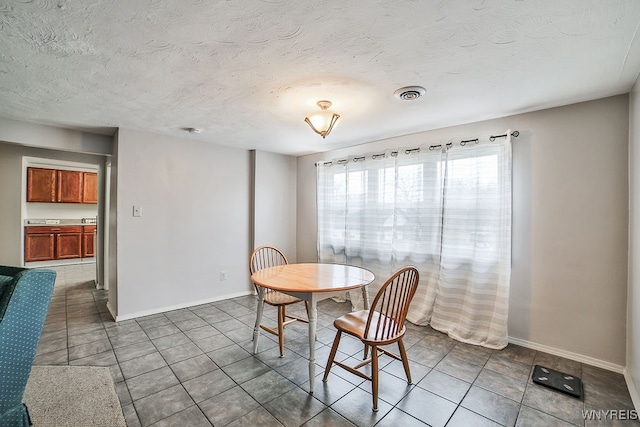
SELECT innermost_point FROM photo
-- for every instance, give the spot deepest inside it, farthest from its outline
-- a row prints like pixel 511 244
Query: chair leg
pixel 281 314
pixel 374 376
pixel 366 352
pixel 405 360
pixel 332 355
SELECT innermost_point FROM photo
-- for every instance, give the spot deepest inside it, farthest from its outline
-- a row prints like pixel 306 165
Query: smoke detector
pixel 410 93
pixel 194 131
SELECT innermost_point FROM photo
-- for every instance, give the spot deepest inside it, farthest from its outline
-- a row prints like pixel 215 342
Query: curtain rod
pixel 394 153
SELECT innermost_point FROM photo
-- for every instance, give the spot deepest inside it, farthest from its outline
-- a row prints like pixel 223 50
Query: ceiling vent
pixel 410 93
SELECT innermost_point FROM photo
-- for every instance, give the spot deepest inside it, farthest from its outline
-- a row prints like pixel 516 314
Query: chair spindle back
pixel 264 257
pixel 392 302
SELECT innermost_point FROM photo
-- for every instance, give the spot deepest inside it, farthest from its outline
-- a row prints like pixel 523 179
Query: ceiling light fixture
pixel 322 121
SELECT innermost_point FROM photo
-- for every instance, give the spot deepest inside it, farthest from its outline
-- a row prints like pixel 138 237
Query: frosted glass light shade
pixel 322 121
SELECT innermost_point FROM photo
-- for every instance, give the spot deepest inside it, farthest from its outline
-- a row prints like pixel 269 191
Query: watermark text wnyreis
pixel 610 414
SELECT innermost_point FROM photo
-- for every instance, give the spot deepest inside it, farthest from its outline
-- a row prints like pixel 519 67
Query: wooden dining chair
pixel 268 256
pixel 381 325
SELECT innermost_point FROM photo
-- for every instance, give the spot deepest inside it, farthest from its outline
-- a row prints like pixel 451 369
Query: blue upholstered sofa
pixel 24 299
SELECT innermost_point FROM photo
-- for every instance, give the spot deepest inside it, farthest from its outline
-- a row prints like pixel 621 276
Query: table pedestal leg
pixel 313 321
pixel 256 329
pixel 365 297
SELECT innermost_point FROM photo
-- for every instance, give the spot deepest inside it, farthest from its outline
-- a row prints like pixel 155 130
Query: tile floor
pixel 194 367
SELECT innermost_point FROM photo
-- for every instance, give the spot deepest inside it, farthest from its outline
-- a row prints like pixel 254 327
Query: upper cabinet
pixel 69 186
pixel 41 185
pixel 90 187
pixel 61 186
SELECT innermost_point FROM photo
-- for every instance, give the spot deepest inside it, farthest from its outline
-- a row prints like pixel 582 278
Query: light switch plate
pixel 137 211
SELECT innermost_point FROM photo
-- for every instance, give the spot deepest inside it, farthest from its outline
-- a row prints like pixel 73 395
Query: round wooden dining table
pixel 311 282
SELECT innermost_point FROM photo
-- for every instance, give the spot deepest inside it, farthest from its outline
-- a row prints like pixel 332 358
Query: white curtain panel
pixel 444 209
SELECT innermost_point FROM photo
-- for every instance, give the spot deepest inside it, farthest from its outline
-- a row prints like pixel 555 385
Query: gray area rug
pixel 73 396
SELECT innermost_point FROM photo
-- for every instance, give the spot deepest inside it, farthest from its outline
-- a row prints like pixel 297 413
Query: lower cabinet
pixel 39 247
pixel 50 243
pixel 88 238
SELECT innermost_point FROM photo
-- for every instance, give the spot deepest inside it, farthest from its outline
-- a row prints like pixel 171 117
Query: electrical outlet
pixel 223 276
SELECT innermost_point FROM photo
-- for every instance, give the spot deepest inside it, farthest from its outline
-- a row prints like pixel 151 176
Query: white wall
pixel 274 205
pixel 633 301
pixel 12 179
pixel 54 138
pixel 570 222
pixel 195 201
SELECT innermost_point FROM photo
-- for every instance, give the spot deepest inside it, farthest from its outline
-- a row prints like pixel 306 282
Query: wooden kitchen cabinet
pixel 61 186
pixel 69 243
pixel 89 187
pixel 70 186
pixel 88 238
pixel 41 185
pixel 49 243
pixel 39 244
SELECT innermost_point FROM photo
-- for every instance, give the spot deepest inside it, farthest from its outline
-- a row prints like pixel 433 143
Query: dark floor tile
pixel 123 340
pixel 501 384
pixel 170 341
pixel 391 389
pixel 153 322
pixel 294 407
pixel 135 350
pixel 162 404
pixel 106 358
pixel 444 385
pixel 141 365
pixel 213 343
pixel 417 370
pixel 427 407
pixel 297 371
pixel 509 367
pixel 123 393
pixel 194 367
pixel 208 385
pixel 396 417
pixel 458 368
pixel 202 332
pixel 474 354
pixel 465 418
pixel 329 417
pixel 267 386
pixel 228 355
pixel 151 382
pixel 52 345
pixel 186 325
pixel 89 349
pixel 130 415
pixel 245 369
pixel 532 417
pixel 554 403
pixel 357 407
pixel 191 416
pixel 59 357
pixel 330 391
pixel 257 417
pixel 181 352
pixel 75 340
pixel 162 331
pixel 228 406
pixel 490 405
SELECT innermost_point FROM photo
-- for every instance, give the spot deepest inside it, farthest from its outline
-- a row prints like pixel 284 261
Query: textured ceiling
pixel 247 72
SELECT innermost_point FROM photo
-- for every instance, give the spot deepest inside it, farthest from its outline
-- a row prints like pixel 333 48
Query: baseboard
pixel 128 316
pixel 569 355
pixel 633 391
